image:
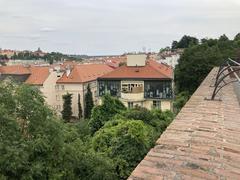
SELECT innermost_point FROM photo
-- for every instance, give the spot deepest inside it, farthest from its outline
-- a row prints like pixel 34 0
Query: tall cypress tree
pixel 79 107
pixel 67 107
pixel 88 103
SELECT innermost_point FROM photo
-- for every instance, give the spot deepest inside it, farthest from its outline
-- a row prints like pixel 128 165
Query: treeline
pixel 36 144
pixel 197 60
pixel 50 57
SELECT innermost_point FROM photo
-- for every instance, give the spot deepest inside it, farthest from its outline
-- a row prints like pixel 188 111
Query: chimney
pixel 136 60
pixel 68 70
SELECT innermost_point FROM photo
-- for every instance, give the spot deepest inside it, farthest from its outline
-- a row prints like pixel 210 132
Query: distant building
pixel 8 52
pixel 75 81
pixel 141 82
pixel 169 58
pixel 42 77
pixel 18 73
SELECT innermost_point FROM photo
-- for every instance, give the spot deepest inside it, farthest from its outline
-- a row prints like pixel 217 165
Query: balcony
pixel 132 96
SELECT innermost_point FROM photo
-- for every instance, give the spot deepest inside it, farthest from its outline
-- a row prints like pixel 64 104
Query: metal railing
pixel 227 69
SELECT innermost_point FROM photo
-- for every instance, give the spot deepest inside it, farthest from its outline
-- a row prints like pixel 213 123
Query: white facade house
pixel 148 84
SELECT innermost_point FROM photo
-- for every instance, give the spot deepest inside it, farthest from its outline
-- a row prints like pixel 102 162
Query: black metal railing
pixel 229 68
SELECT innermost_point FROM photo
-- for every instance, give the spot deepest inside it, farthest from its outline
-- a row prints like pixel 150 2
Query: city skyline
pixel 107 27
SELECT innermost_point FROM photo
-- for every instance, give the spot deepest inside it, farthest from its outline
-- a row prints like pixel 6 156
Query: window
pixel 132 87
pixel 156 104
pixel 158 89
pixel 57 87
pixel 57 97
pixel 130 105
pixel 58 107
pixel 111 87
pixel 62 86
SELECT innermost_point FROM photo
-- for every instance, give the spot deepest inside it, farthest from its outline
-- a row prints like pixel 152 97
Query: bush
pixel 125 141
pixel 103 113
pixel 138 113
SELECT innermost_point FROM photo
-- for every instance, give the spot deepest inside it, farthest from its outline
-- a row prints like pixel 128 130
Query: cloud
pixel 111 27
pixel 47 29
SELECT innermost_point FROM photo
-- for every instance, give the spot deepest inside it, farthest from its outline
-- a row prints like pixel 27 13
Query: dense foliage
pixel 185 42
pixel 88 103
pixel 35 144
pixel 67 107
pixel 79 107
pixel 198 59
pixel 103 113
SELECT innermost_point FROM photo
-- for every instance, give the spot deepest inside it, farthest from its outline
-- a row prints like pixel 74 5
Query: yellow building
pixel 141 82
pixel 75 81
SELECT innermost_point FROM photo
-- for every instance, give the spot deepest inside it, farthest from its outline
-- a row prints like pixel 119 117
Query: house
pixel 42 77
pixel 141 82
pixel 45 78
pixel 17 73
pixel 75 81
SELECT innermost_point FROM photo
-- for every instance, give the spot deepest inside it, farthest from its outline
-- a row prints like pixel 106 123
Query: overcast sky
pixel 112 26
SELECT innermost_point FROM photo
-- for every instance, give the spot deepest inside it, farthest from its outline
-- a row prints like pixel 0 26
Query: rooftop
pixel 152 70
pixel 85 73
pixel 14 70
pixel 203 142
pixel 38 75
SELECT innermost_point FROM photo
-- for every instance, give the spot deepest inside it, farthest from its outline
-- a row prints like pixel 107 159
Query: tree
pixel 124 141
pixel 174 45
pixel 103 113
pixel 138 113
pixel 197 61
pixel 237 37
pixel 223 38
pixel 185 42
pixel 34 144
pixel 67 107
pixel 180 101
pixel 88 103
pixel 79 107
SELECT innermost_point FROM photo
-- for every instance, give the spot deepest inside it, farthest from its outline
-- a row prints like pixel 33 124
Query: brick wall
pixel 203 142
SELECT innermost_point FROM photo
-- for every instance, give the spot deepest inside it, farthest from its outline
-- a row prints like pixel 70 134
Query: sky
pixel 109 27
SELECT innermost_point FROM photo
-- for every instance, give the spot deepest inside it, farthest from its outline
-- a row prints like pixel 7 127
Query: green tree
pixel 103 113
pixel 67 107
pixel 124 141
pixel 185 42
pixel 237 37
pixel 223 38
pixel 79 107
pixel 180 101
pixel 174 45
pixel 34 144
pixel 88 103
pixel 138 113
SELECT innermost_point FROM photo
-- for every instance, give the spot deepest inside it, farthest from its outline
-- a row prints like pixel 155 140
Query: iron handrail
pixel 221 76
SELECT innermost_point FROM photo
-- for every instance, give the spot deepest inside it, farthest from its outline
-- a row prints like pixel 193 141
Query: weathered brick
pixel 203 142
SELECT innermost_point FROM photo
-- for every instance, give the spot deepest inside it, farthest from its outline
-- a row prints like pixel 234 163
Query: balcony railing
pixel 132 96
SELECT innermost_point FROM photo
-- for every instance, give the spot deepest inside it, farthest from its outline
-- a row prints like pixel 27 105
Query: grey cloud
pixel 111 27
pixel 47 29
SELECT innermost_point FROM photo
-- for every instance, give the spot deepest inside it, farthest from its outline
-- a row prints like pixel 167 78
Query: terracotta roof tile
pixel 38 75
pixel 85 73
pixel 152 70
pixel 14 70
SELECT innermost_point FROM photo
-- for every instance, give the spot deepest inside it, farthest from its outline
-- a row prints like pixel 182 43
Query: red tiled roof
pixel 14 70
pixel 152 70
pixel 38 75
pixel 85 73
pixel 115 61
